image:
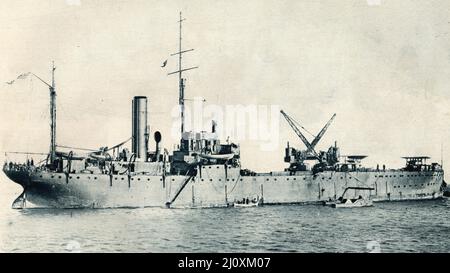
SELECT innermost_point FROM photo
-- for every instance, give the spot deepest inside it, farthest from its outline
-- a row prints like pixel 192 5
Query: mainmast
pixel 180 77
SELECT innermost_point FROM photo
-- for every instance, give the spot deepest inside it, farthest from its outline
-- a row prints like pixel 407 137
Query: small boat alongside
pixel 248 203
pixel 359 202
pixel 353 203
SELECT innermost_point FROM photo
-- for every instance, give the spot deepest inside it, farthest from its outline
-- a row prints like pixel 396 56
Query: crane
pixel 310 146
pixel 322 132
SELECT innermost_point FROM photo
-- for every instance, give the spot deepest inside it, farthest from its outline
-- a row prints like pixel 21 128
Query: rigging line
pixel 25 153
pixel 76 148
pixel 94 150
pixel 120 144
pixel 298 123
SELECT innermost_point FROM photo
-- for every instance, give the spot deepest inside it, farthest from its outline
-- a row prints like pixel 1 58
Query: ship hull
pixel 219 186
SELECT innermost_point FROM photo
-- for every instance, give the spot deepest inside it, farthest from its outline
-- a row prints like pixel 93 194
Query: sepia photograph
pixel 242 127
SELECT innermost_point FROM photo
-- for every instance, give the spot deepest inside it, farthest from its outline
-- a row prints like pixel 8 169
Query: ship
pixel 205 172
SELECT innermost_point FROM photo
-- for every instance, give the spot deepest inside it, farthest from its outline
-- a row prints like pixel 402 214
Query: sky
pixel 382 66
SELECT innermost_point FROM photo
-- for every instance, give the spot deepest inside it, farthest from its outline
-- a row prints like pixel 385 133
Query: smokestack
pixel 139 128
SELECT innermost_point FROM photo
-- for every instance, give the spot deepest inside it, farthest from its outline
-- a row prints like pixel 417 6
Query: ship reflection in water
pixel 410 226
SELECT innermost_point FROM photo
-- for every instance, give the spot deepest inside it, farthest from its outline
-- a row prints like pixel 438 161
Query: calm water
pixel 389 227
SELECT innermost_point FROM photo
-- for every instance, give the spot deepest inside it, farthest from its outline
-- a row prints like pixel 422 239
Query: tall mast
pixel 52 88
pixel 53 116
pixel 181 81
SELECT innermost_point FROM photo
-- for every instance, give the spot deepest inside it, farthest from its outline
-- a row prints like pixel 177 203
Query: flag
pixel 164 63
pixel 23 76
pixel 20 77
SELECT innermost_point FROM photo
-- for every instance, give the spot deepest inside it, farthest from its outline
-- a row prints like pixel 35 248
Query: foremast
pixel 52 89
